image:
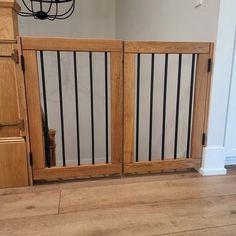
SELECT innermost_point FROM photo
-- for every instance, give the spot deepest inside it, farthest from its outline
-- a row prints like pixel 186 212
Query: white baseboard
pixel 209 172
pixel 230 161
pixel 213 161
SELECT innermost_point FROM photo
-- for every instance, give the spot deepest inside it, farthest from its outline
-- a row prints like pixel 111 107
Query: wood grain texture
pixel 9 109
pixel 129 100
pixel 8 19
pixel 72 44
pixel 34 109
pixel 184 205
pixel 209 79
pixel 166 47
pixel 29 204
pixel 76 171
pixel 146 219
pixel 6 48
pixel 145 166
pixel 200 97
pixel 139 193
pixel 23 114
pixel 13 163
pixel 227 230
pixel 116 107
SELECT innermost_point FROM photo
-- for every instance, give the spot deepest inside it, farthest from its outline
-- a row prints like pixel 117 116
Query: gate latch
pixel 19 125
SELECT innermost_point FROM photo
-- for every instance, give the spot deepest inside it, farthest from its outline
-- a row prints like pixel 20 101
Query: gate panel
pixel 197 96
pixel 35 51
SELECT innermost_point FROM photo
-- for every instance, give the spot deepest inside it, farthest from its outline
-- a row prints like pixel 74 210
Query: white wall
pixel 222 126
pixel 167 20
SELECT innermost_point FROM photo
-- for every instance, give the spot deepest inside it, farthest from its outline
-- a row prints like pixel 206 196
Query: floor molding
pixel 229 161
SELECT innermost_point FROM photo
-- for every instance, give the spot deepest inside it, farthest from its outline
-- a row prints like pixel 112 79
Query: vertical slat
pixel 116 107
pixel 34 109
pixel 200 100
pixel 46 130
pixel 77 107
pixel 91 101
pixel 177 106
pixel 190 105
pixel 164 108
pixel 61 108
pixel 151 105
pixel 129 101
pixel 106 109
pixel 137 107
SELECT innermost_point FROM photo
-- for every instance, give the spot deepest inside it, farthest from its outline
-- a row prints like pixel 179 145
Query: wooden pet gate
pixel 131 143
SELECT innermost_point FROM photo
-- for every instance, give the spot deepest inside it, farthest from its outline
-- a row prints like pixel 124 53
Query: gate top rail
pixel 71 44
pixel 166 47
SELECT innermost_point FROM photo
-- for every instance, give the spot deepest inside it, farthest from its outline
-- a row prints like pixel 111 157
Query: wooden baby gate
pixel 122 63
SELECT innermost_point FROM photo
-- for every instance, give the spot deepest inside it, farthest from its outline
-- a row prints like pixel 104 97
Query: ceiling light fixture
pixel 48 9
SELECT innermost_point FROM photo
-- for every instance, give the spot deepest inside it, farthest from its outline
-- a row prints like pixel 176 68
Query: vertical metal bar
pixel 177 106
pixel 61 107
pixel 46 129
pixel 106 107
pixel 137 107
pixel 164 108
pixel 77 107
pixel 190 105
pixel 151 106
pixel 91 98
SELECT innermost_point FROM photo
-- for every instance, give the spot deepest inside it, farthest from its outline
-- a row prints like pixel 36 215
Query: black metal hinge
pixel 31 158
pixel 209 65
pixel 22 62
pixel 203 139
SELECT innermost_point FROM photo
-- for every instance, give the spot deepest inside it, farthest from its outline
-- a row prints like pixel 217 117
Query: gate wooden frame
pixel 200 109
pixel 30 46
pixel 122 103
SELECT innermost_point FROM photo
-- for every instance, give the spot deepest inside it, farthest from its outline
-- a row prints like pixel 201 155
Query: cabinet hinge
pixel 209 65
pixel 22 62
pixel 15 56
pixel 203 139
pixel 31 159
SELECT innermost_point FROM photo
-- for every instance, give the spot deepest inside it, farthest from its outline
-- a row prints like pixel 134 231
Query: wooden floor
pixel 166 204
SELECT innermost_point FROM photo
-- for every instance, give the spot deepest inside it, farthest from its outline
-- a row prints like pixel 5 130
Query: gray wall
pixel 166 20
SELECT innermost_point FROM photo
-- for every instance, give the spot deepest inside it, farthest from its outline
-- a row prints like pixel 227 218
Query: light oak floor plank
pixel 92 182
pixel 112 196
pixel 29 204
pixel 228 230
pixel 145 219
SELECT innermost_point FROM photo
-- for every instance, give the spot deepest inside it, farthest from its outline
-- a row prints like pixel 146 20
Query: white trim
pixel 209 172
pixel 230 161
pixel 213 161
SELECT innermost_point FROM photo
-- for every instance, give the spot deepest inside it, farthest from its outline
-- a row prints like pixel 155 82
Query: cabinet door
pixel 13 163
pixel 14 142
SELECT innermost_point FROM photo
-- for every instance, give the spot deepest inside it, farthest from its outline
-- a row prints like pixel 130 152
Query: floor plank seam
pixel 193 230
pixel 59 203
pixel 144 204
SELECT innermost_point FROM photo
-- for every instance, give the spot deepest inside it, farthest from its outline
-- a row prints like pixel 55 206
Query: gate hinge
pixel 203 139
pixel 31 159
pixel 22 62
pixel 209 65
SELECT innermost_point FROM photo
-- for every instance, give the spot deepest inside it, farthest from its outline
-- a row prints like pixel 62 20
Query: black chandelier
pixel 48 9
